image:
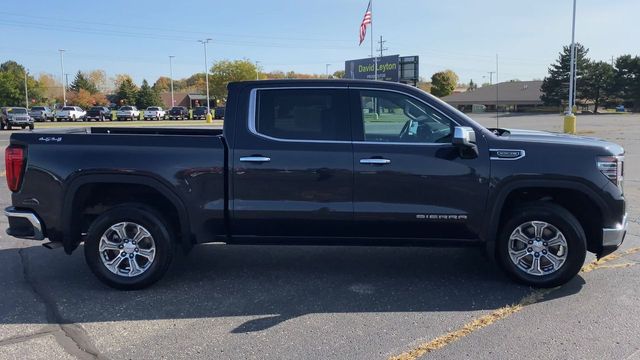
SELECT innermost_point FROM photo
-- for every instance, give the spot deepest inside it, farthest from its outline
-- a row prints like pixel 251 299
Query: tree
pixel 85 99
pixel 127 92
pixel 51 87
pixel 12 84
pixel 225 71
pixel 443 83
pixel 627 80
pixel 598 82
pixel 339 74
pixel 147 96
pixel 555 87
pixel 472 86
pixel 81 82
pixel 163 84
pixel 98 78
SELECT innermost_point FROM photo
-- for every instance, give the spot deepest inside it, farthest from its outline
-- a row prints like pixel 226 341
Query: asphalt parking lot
pixel 267 302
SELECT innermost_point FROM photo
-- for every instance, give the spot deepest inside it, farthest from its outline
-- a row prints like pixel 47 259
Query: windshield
pixel 38 108
pixel 18 111
pixel 126 108
pixel 96 108
pixel 68 108
pixel 176 108
pixel 153 109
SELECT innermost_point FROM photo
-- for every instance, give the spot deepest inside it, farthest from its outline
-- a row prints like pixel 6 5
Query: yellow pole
pixel 570 124
pixel 209 118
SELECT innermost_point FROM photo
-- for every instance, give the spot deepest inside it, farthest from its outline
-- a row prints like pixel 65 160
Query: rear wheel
pixel 31 126
pixel 129 247
pixel 542 245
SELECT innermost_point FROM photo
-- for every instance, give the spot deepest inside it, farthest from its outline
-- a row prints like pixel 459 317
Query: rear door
pixel 409 180
pixel 292 171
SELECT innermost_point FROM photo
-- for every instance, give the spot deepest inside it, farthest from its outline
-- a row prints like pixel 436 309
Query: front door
pixel 409 180
pixel 293 164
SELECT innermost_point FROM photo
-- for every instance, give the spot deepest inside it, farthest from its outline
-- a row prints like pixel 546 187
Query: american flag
pixel 366 21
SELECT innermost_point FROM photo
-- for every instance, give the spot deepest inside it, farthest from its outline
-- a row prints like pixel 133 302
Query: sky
pixel 137 36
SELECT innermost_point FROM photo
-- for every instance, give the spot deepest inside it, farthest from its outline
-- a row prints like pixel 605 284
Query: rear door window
pixel 303 114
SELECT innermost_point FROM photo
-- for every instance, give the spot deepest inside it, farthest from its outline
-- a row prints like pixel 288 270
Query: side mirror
pixel 464 138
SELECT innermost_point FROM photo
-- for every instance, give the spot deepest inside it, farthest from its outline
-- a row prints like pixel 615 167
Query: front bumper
pixel 613 237
pixel 24 224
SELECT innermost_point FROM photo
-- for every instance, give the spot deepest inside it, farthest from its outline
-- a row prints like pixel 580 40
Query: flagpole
pixel 375 59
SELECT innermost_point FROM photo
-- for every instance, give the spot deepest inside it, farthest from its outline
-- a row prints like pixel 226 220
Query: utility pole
pixel 327 69
pixel 382 48
pixel 375 59
pixel 497 95
pixel 257 70
pixel 64 89
pixel 26 91
pixel 491 77
pixel 206 70
pixel 572 74
pixel 173 102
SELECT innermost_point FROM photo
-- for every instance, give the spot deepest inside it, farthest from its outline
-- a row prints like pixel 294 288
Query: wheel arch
pixel 163 194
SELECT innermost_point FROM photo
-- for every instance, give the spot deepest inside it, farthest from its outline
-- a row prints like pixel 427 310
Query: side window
pixel 394 117
pixel 303 114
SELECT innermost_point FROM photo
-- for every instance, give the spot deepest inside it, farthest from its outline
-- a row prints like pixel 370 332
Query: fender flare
pixel 70 241
pixel 499 196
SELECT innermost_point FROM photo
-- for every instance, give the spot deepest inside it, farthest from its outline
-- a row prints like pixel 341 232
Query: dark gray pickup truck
pixel 319 162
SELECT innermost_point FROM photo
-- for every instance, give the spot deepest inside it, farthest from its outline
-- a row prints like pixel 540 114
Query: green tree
pixel 81 82
pixel 147 96
pixel 598 82
pixel 339 74
pixel 225 71
pixel 127 92
pixel 12 84
pixel 443 83
pixel 555 87
pixel 627 80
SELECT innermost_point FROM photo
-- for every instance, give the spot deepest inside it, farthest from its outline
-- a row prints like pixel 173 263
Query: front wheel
pixel 129 247
pixel 542 245
pixel 31 127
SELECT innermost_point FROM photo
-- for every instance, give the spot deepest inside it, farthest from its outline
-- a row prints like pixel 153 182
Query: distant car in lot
pixel 99 113
pixel 128 113
pixel 219 112
pixel 178 112
pixel 154 113
pixel 72 113
pixel 620 108
pixel 200 112
pixel 41 113
pixel 15 116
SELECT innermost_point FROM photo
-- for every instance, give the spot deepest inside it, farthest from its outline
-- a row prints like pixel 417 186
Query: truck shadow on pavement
pixel 271 284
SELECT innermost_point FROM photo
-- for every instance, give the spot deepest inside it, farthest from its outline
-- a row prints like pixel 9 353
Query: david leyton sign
pixel 388 68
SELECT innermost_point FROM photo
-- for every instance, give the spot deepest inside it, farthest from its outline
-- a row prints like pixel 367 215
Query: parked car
pixel 320 162
pixel 128 113
pixel 41 113
pixel 178 112
pixel 99 113
pixel 200 112
pixel 620 108
pixel 72 113
pixel 15 116
pixel 219 112
pixel 154 113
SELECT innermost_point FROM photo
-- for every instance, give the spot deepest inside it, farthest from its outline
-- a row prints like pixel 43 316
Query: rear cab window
pixel 303 114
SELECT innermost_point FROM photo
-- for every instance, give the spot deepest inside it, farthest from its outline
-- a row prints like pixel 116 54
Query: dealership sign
pixel 388 68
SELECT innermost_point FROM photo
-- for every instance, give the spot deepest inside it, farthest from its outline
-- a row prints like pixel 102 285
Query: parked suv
pixel 128 113
pixel 99 113
pixel 15 116
pixel 41 113
pixel 219 112
pixel 178 112
pixel 72 113
pixel 200 112
pixel 154 113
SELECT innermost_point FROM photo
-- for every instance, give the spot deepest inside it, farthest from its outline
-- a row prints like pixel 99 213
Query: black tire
pixel 1 125
pixel 31 127
pixel 562 220
pixel 153 222
pixel 9 126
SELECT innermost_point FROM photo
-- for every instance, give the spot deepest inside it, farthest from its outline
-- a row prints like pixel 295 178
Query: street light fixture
pixel 64 89
pixel 206 70
pixel 173 102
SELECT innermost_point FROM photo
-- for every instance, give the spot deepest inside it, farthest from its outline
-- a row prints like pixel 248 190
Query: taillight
pixel 14 165
pixel 613 168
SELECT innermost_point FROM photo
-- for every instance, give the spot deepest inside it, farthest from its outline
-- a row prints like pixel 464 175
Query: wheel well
pixel 93 199
pixel 586 211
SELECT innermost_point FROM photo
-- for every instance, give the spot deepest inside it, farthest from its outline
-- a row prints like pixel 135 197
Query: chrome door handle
pixel 375 161
pixel 255 159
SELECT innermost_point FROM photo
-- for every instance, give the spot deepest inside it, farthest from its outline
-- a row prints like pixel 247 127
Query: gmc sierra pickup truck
pixel 319 162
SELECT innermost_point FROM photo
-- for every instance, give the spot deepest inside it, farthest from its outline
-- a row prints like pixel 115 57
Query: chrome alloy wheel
pixel 127 249
pixel 538 248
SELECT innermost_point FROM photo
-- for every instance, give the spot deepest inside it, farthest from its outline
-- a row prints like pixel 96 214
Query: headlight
pixel 613 168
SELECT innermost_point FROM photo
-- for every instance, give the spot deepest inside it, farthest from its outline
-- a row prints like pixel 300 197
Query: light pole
pixel 206 70
pixel 257 70
pixel 327 69
pixel 64 89
pixel 173 102
pixel 26 92
pixel 572 69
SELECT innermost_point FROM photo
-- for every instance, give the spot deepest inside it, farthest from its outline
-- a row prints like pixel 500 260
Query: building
pixel 186 99
pixel 512 96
